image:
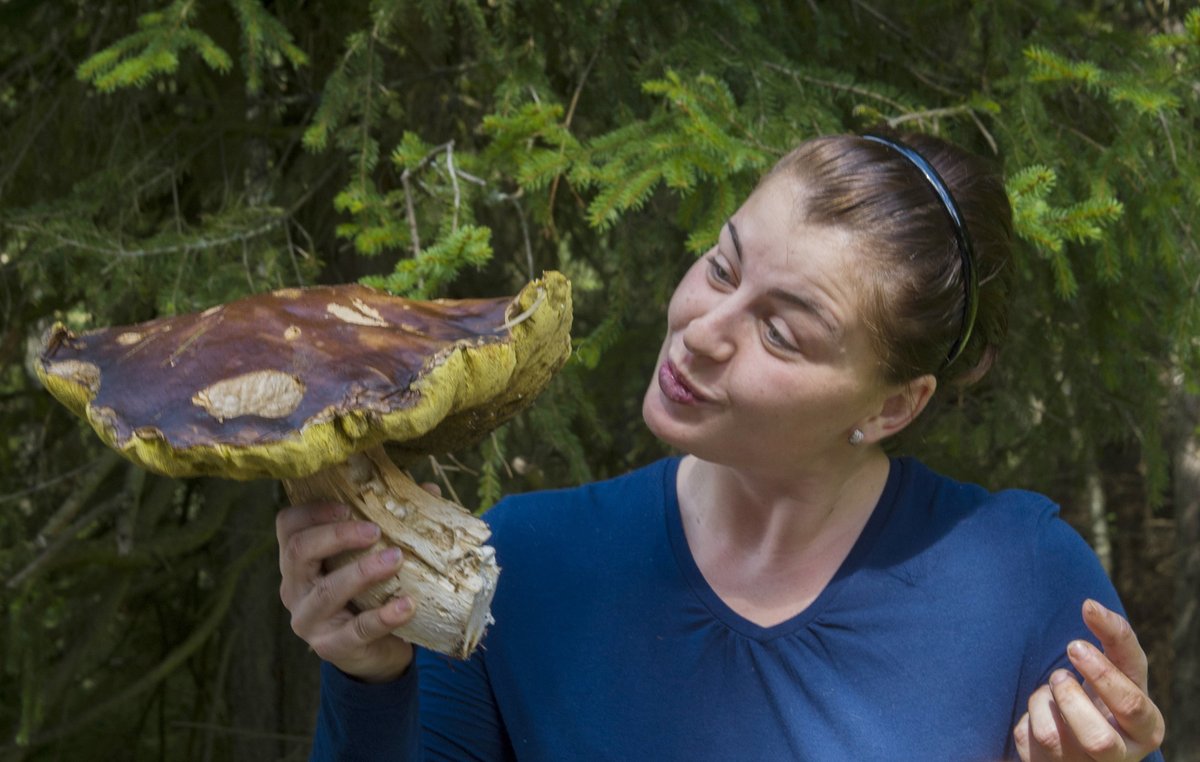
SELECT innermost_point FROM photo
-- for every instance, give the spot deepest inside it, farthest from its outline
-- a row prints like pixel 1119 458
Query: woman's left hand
pixel 1110 716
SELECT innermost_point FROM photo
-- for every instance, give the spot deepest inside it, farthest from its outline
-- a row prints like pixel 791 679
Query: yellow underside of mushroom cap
pixel 472 389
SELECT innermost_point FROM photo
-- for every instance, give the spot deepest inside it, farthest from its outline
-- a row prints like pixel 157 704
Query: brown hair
pixel 916 291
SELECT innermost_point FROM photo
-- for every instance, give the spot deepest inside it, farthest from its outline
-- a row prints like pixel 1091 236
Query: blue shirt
pixel 952 607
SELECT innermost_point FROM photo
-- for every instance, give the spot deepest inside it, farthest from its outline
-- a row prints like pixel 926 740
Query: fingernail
pixel 391 556
pixel 1059 676
pixel 368 531
pixel 402 606
pixel 1092 607
pixel 341 512
pixel 1080 649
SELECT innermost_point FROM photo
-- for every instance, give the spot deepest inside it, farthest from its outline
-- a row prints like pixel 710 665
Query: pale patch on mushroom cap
pixel 267 393
pixel 84 373
pixel 359 314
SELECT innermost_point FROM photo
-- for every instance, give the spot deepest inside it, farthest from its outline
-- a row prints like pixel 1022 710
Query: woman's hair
pixel 915 280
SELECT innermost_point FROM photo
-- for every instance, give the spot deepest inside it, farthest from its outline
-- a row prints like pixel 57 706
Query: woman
pixel 785 590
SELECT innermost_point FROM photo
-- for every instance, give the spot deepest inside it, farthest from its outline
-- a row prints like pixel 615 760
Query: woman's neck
pixel 775 518
pixel 769 546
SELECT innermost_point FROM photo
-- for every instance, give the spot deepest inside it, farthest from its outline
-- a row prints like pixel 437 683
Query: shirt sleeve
pixel 441 709
pixel 1066 573
pixel 363 721
pixel 460 721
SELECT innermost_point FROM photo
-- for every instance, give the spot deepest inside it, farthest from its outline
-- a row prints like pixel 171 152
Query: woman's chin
pixel 666 427
pixel 655 416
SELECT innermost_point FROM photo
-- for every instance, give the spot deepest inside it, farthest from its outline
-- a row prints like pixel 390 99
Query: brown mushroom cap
pixel 286 383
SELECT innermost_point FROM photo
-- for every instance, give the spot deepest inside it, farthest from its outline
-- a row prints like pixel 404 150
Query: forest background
pixel 162 157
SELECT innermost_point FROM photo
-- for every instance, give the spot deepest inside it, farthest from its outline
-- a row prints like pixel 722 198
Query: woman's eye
pixel 776 337
pixel 718 271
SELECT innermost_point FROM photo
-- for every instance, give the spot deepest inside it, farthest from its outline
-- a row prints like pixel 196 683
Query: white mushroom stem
pixel 448 571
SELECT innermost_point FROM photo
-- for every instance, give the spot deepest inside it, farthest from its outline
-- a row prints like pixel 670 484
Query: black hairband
pixel 965 252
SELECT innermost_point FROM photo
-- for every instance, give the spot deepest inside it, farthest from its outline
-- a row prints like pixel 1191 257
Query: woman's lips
pixel 674 386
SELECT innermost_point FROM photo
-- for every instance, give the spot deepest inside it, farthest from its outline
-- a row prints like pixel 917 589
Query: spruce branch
pixel 368 91
pixel 562 147
pixel 153 50
pixel 933 113
pixel 185 247
pixel 1162 119
pixel 513 198
pixel 984 131
pixel 896 29
pixel 459 466
pixel 833 85
pixel 441 474
pixel 335 100
pixel 262 36
pixel 33 135
pixel 406 183
pixel 453 182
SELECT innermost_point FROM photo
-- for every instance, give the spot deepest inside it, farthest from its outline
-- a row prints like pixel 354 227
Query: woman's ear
pixel 900 408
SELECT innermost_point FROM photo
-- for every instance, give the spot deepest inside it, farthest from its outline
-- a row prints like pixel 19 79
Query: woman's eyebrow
pixel 737 244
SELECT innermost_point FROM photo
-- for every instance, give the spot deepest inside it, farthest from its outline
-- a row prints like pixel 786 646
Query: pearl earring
pixel 857 436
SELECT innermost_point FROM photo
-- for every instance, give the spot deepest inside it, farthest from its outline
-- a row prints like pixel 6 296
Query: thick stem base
pixel 448 571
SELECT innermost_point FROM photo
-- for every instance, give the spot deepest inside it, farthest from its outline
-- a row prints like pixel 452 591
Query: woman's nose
pixel 710 336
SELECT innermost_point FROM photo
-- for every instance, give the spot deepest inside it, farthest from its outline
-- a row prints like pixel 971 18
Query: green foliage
pixel 266 42
pixel 458 149
pixel 1049 228
pixel 153 50
pixel 434 268
pixel 491 489
pixel 694 138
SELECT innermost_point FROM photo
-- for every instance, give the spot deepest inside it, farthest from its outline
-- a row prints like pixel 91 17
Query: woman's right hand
pixel 359 644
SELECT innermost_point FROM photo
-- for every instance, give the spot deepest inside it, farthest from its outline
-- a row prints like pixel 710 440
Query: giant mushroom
pixel 308 386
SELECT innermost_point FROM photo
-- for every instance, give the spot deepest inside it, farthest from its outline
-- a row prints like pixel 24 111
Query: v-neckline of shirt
pixel 735 621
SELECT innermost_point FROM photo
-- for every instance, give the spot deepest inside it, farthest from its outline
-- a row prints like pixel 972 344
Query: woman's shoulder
pixel 554 534
pixel 936 493
pixel 1013 534
pixel 559 509
pixel 1017 524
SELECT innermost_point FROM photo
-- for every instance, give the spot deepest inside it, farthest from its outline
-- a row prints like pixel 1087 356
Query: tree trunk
pixel 1097 505
pixel 270 680
pixel 1183 730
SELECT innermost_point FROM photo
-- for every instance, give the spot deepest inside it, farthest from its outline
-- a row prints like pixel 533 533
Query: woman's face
pixel 767 359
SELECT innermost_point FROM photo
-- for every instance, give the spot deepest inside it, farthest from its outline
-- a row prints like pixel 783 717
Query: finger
pixel 1049 737
pixel 294 518
pixel 364 646
pixel 432 488
pixel 1085 725
pixel 1131 708
pixel 301 556
pixel 1021 737
pixel 1120 643
pixel 375 623
pixel 331 593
